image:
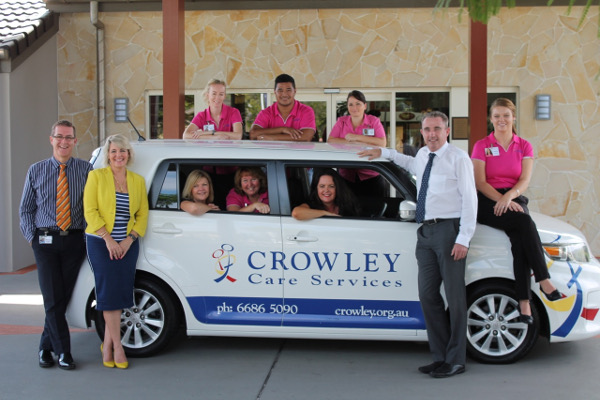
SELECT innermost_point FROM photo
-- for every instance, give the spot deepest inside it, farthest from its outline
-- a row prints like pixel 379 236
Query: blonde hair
pixel 191 181
pixel 213 81
pixel 122 143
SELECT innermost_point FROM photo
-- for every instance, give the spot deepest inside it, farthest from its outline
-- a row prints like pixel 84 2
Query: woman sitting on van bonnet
pixel 329 197
pixel 502 164
pixel 198 194
pixel 218 121
pixel 250 192
pixel 360 128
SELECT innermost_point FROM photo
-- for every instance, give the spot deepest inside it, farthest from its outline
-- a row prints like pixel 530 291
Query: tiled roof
pixel 21 23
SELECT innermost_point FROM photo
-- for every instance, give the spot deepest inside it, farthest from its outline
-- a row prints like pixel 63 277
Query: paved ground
pixel 271 369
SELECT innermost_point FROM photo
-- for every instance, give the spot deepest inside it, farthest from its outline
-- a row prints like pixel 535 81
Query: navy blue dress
pixel 114 278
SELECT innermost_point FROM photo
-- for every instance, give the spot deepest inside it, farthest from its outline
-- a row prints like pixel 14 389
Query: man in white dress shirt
pixel 447 209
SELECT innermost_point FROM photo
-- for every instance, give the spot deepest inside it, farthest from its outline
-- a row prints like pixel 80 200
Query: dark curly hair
pixel 285 78
pixel 344 198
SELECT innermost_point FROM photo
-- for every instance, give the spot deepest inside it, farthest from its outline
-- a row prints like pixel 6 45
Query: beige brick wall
pixel 538 50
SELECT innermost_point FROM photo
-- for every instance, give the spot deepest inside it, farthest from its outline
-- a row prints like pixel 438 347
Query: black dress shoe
pixel 65 361
pixel 426 369
pixel 552 296
pixel 526 319
pixel 46 359
pixel 447 370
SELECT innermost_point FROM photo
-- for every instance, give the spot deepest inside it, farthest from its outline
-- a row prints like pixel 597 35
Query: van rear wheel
pixel 494 333
pixel 148 326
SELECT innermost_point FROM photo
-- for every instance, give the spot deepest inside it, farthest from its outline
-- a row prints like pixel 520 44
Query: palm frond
pixel 483 10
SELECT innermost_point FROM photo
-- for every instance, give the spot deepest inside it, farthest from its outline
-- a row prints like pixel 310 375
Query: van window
pixel 221 177
pixel 167 195
pixel 377 196
pixel 170 180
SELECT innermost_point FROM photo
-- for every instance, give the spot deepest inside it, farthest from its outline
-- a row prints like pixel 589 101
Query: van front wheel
pixel 148 326
pixel 494 333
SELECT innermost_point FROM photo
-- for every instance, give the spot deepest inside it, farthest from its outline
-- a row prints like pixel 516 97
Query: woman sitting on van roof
pixel 218 120
pixel 329 196
pixel 250 192
pixel 198 193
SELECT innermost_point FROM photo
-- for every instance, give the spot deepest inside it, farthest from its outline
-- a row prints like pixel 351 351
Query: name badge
pixel 45 239
pixel 209 127
pixel 368 132
pixel 492 151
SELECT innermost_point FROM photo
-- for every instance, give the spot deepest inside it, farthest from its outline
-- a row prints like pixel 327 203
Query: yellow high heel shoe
pixel 107 364
pixel 123 365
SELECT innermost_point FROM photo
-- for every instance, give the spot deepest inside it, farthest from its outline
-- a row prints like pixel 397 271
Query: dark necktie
pixel 423 190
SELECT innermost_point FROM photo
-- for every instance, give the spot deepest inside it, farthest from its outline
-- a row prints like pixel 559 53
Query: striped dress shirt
pixel 38 203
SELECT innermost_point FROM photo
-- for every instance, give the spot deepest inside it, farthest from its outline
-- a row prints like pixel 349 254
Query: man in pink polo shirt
pixel 287 119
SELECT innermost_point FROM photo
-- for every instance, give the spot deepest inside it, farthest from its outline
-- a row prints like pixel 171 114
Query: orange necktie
pixel 63 205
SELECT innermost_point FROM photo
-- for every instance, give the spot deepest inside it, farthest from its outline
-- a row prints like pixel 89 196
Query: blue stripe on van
pixel 334 313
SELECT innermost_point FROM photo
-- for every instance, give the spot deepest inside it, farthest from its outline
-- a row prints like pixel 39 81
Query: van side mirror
pixel 95 155
pixel 408 210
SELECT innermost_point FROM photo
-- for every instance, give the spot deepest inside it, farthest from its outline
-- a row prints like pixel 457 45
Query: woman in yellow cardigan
pixel 115 206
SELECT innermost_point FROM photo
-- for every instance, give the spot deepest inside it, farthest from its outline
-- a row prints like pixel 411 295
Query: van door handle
pixel 167 228
pixel 302 238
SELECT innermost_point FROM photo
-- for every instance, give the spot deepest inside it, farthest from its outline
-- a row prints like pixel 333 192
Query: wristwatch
pixel 133 237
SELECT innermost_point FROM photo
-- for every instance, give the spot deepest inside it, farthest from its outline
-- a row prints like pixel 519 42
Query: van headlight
pixel 578 252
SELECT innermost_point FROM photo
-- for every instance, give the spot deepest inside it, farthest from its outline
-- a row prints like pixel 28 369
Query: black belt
pixel 436 220
pixel 68 232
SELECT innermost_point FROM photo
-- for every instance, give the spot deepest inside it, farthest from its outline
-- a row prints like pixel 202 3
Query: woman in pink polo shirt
pixel 503 163
pixel 360 128
pixel 250 192
pixel 218 121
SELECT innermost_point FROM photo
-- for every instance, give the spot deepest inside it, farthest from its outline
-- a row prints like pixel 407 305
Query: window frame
pixel 160 175
pixel 398 177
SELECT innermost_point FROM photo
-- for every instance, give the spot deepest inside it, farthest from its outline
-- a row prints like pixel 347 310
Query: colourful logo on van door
pixel 225 260
pixel 575 303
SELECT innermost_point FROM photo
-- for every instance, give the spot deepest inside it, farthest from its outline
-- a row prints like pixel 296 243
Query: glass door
pixel 320 103
pixel 410 108
pixel 380 104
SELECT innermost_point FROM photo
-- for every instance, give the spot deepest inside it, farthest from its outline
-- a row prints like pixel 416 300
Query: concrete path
pixel 214 368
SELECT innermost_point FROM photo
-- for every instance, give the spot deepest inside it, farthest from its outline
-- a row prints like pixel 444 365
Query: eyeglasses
pixel 67 138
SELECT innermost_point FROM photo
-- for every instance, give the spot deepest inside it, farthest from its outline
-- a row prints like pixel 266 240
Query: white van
pixel 269 275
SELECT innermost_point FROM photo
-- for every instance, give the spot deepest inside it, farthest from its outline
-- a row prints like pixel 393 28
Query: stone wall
pixel 538 50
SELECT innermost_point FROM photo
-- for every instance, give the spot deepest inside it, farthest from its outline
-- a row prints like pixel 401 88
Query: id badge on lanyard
pixel 45 239
pixel 492 151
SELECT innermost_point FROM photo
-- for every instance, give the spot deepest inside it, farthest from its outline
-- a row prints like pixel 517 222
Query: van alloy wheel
pixel 494 332
pixel 148 326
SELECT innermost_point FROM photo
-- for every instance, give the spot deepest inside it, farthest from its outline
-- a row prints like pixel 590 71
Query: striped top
pixel 119 231
pixel 38 202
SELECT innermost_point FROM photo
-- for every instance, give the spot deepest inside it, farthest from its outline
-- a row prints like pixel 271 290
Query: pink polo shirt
pixel 233 198
pixel 301 117
pixel 504 169
pixel 229 116
pixel 342 127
